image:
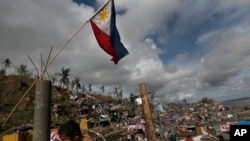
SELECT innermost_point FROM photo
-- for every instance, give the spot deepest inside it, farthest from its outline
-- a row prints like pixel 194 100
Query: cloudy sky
pixel 181 49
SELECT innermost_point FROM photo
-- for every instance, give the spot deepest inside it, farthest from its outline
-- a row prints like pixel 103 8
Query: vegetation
pixel 14 85
pixel 7 64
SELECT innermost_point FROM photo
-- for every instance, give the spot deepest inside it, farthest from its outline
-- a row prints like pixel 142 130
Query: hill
pixel 13 87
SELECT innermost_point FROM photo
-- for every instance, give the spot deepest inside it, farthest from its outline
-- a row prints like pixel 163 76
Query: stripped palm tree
pixel 89 87
pixel 184 101
pixel 102 88
pixel 120 94
pixel 83 88
pixel 76 84
pixel 115 92
pixel 7 64
pixel 53 79
pixel 22 72
pixel 64 74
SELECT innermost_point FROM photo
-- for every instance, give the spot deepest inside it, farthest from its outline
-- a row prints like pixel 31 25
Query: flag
pixel 106 33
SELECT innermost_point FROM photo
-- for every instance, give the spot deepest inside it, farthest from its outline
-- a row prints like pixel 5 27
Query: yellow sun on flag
pixel 104 15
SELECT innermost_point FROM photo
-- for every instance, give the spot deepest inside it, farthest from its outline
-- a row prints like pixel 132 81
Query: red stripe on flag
pixel 104 41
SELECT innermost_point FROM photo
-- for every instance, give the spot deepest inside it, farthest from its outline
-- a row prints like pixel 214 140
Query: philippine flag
pixel 106 33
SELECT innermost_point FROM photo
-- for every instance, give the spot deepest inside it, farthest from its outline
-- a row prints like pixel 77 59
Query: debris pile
pixel 111 119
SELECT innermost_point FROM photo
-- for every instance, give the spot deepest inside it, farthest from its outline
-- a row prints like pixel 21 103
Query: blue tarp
pixel 243 122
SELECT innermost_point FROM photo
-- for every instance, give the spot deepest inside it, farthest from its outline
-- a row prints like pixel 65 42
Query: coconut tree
pixel 6 63
pixel 89 87
pixel 53 79
pixel 120 93
pixel 76 84
pixel 83 88
pixel 64 74
pixel 115 92
pixel 132 97
pixel 22 71
pixel 184 101
pixel 102 88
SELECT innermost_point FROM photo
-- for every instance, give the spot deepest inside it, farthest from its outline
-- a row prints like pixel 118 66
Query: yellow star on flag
pixel 104 15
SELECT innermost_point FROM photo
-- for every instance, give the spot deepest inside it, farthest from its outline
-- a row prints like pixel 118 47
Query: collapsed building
pixel 123 119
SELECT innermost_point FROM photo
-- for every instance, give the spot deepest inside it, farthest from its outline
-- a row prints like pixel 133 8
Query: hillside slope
pixel 12 88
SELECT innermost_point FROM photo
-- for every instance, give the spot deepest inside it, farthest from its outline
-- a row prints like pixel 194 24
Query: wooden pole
pixel 42 112
pixel 147 113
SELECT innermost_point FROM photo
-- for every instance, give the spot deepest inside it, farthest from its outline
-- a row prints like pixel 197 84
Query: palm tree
pixel 53 79
pixel 184 101
pixel 132 97
pixel 22 71
pixel 76 84
pixel 64 74
pixel 83 88
pixel 6 63
pixel 120 94
pixel 102 88
pixel 115 92
pixel 90 89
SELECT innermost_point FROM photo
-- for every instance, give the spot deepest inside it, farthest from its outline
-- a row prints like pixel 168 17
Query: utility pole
pixel 41 131
pixel 147 113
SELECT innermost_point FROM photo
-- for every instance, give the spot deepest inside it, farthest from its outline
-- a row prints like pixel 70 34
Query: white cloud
pixel 31 27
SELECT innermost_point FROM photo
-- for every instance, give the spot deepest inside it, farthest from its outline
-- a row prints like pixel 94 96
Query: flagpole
pixel 73 35
pixel 100 9
pixel 53 59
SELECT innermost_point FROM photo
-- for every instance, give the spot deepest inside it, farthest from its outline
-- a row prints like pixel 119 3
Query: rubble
pixel 113 119
pixel 204 120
